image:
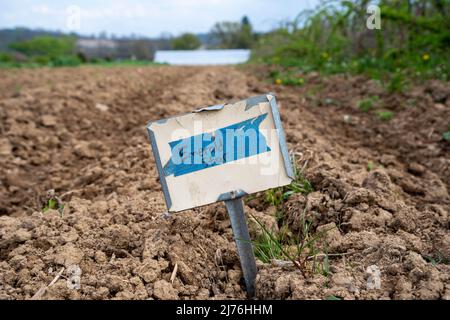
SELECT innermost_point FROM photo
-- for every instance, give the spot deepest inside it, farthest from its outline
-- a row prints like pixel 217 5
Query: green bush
pixel 446 135
pixel 187 41
pixel 51 47
pixel 48 51
pixel 396 83
pixel 41 60
pixel 5 57
pixel 68 61
pixel 413 42
pixel 385 115
pixel 233 35
pixel 367 104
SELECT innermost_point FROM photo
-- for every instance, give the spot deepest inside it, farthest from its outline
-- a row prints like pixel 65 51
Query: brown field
pixel 381 187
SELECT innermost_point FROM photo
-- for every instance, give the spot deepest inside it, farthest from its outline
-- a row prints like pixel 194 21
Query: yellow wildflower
pixel 278 81
pixel 426 57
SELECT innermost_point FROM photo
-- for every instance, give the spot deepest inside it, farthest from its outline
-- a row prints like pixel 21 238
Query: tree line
pixel 60 49
pixel 223 35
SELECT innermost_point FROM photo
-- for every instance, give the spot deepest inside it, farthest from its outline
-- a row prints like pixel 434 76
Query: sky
pixel 146 18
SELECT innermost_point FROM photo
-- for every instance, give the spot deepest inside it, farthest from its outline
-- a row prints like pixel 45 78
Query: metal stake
pixel 235 210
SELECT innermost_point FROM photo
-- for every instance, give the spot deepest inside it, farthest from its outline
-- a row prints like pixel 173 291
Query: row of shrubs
pixel 42 51
pixel 13 60
pixel 52 52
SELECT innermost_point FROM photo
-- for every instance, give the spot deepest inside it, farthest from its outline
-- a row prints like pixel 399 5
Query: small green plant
pixel 300 184
pixel 437 258
pixel 396 83
pixel 53 202
pixel 367 104
pixel 385 115
pixel 292 81
pixel 268 246
pixel 333 298
pixel 17 89
pixel 303 250
pixel 287 78
pixel 446 135
pixel 187 41
pixel 274 196
pixel 370 166
pixel 123 63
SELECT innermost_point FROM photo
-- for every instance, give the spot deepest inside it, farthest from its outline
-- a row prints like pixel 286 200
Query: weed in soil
pixel 367 104
pixel 385 115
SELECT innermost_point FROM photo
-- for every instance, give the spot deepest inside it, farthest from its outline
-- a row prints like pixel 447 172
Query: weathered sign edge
pixel 281 136
pixel 159 167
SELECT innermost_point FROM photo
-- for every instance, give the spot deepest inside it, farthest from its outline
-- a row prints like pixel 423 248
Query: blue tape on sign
pixel 206 150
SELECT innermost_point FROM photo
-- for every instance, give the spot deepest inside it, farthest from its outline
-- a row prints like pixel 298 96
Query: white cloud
pixel 40 9
pixel 149 17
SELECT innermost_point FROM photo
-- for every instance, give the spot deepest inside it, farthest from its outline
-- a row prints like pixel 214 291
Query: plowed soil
pixel 381 187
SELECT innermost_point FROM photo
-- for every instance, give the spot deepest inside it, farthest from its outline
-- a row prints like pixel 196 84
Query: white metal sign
pixel 220 152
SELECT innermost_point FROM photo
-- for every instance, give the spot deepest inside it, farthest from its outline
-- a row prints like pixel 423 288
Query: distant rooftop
pixel 95 43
